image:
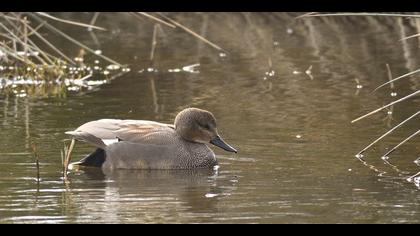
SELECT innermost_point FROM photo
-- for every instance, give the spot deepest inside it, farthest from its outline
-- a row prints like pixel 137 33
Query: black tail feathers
pixel 95 159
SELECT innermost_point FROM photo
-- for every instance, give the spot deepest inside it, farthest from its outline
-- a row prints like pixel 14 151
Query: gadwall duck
pixel 142 144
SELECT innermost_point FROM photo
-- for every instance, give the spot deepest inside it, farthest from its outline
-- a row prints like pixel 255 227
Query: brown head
pixel 197 125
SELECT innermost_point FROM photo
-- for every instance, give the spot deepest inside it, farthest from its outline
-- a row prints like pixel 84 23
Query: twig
pixel 34 150
pixel 12 18
pixel 154 42
pixel 306 14
pixel 70 22
pixel 386 155
pixel 410 179
pixel 9 51
pixel 156 19
pixel 388 132
pixel 391 84
pixel 400 77
pixel 390 104
pixel 53 47
pixel 409 37
pixel 25 44
pixel 68 157
pixel 36 28
pixel 357 14
pixel 86 77
pixel 25 38
pixel 93 21
pixel 32 46
pixel 193 33
pixel 74 40
pixel 46 55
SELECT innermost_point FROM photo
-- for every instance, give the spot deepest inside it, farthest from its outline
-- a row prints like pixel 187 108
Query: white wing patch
pixel 110 141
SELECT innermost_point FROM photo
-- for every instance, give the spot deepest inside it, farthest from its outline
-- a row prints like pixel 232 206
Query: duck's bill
pixel 218 141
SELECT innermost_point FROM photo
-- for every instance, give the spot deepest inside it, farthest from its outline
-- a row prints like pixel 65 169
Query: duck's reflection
pixel 148 195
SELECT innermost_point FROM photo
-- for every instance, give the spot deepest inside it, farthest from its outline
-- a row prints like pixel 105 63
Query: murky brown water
pixel 296 145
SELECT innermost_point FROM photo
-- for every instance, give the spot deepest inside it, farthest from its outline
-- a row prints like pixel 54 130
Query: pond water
pixel 284 94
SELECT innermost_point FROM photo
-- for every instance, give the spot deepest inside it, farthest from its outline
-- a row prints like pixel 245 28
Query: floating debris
pixel 28 54
pixel 385 158
pixel 298 136
pixel 78 59
pixel 358 84
pixel 113 67
pixel 359 156
pixel 222 55
pixel 269 74
pixel 394 94
pixel 308 72
pixel 417 182
pixel 210 195
pixel 191 68
pixel 174 70
pixel 73 88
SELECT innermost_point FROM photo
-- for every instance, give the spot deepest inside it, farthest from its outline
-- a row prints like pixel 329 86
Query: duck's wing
pixel 146 132
pixel 101 133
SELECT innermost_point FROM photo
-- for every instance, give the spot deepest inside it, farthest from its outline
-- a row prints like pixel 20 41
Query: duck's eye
pixel 206 126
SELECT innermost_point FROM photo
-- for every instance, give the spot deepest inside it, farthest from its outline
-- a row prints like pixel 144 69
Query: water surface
pixel 296 144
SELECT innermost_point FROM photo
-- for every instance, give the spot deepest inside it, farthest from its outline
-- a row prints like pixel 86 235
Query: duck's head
pixel 197 125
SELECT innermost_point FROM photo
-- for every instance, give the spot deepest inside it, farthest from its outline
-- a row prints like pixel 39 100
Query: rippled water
pixel 292 128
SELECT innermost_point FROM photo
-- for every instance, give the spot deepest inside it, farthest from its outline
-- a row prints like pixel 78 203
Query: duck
pixel 144 144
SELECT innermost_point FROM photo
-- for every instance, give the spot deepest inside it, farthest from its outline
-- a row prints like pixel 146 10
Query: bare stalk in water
pixel 410 179
pixel 156 19
pixel 35 152
pixel 388 105
pixel 68 157
pixel 399 77
pixel 391 83
pixel 409 37
pixel 93 21
pixel 52 28
pixel 386 155
pixel 154 42
pixel 192 33
pixel 388 132
pixel 316 14
pixel 91 26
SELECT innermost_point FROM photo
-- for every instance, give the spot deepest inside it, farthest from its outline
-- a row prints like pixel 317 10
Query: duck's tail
pixel 95 159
